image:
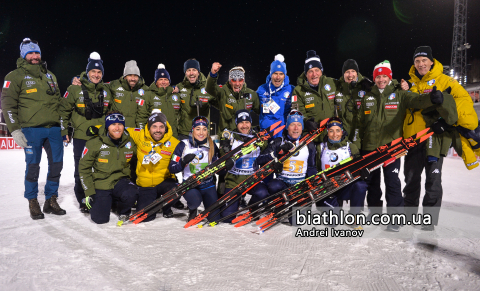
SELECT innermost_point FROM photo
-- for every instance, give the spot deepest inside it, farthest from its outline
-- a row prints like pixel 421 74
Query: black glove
pixel 229 164
pixel 225 145
pixel 277 167
pixel 439 126
pixel 311 125
pixel 187 159
pixel 284 148
pixel 366 84
pixel 448 90
pixel 436 96
pixel 92 131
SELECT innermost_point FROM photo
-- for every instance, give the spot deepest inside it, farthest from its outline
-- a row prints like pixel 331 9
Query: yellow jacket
pixel 467 117
pixel 150 175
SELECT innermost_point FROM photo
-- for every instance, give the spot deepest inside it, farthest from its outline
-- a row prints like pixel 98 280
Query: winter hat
pixel 191 63
pixel 114 118
pixel 157 117
pixel 294 116
pixel 349 64
pixel 423 51
pixel 242 115
pixel 236 73
pixel 278 65
pixel 131 68
pixel 334 121
pixel 29 46
pixel 95 62
pixel 312 61
pixel 383 68
pixel 199 120
pixel 161 72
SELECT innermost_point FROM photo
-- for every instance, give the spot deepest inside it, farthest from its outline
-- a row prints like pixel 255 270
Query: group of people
pixel 130 139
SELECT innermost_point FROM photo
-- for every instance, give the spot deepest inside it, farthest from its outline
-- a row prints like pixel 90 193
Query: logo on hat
pixel 310 66
pixel 163 74
pixel 141 92
pixel 380 69
pixel 175 98
pixel 327 87
pixel 391 97
pixel 361 94
pixel 96 64
pixel 278 66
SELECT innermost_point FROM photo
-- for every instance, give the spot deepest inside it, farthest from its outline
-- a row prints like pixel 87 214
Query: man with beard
pixel 161 97
pixel 155 146
pixel 84 107
pixel 275 95
pixel 195 101
pixel 244 166
pixel 232 96
pixel 30 100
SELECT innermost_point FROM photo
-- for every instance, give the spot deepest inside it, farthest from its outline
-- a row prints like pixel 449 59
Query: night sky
pixel 244 33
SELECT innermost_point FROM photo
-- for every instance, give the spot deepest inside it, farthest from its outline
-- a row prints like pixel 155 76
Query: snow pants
pixel 78 146
pixel 259 192
pixel 147 195
pixel 206 194
pixel 355 192
pixel 393 192
pixel 124 192
pixel 51 140
pixel 415 162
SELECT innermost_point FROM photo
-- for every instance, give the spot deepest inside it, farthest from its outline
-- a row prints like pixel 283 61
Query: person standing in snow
pixel 427 72
pixel 380 120
pixel 30 101
pixel 275 95
pixel 104 170
pixel 84 106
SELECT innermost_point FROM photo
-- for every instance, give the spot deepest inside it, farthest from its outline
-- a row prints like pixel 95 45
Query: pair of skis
pixel 241 189
pixel 196 179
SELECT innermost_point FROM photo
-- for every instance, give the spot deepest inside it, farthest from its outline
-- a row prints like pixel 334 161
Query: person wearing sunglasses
pixel 30 101
pixel 83 107
pixel 297 167
pixel 192 155
pixel 195 100
pixel 155 146
pixel 105 171
pixel 275 95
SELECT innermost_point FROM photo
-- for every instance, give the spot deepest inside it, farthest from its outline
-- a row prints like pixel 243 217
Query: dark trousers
pixel 78 146
pixel 259 192
pixel 124 193
pixel 51 140
pixel 207 194
pixel 133 168
pixel 415 162
pixel 355 192
pixel 147 195
pixel 393 188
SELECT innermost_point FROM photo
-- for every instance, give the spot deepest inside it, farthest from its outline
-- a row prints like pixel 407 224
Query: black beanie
pixel 312 61
pixel 423 51
pixel 191 63
pixel 349 64
pixel 242 115
pixel 157 117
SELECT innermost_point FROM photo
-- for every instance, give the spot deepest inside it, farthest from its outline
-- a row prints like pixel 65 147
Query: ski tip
pixel 420 133
pixel 395 141
pixel 425 137
pixel 119 223
pixel 275 125
pixel 323 122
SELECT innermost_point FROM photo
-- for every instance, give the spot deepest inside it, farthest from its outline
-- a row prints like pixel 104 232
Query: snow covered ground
pixel 72 253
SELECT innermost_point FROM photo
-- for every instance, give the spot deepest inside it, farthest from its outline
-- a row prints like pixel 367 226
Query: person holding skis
pixel 244 166
pixel 104 170
pixel 275 95
pixel 191 155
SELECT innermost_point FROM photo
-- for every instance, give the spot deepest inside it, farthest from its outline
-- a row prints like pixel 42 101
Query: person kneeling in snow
pixel 108 155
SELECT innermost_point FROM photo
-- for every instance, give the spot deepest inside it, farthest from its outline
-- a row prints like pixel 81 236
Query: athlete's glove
pixel 225 145
pixel 439 126
pixel 88 201
pixel 311 125
pixel 229 164
pixel 20 138
pixel 92 131
pixel 187 159
pixel 284 148
pixel 277 167
pixel 436 96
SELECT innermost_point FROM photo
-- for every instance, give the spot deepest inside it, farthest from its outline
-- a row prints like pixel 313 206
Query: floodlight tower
pixel 459 44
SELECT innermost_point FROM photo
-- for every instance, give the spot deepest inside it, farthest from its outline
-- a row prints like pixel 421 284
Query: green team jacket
pixel 231 180
pixel 229 101
pixel 381 115
pixel 438 144
pixel 109 162
pixel 319 103
pixel 126 99
pixel 25 102
pixel 335 146
pixel 347 102
pixel 72 108
pixel 194 92
pixel 164 100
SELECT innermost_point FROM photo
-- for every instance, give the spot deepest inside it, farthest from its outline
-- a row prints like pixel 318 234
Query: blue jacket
pixel 281 96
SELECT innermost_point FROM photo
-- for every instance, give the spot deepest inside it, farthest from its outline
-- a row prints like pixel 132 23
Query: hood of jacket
pixel 33 70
